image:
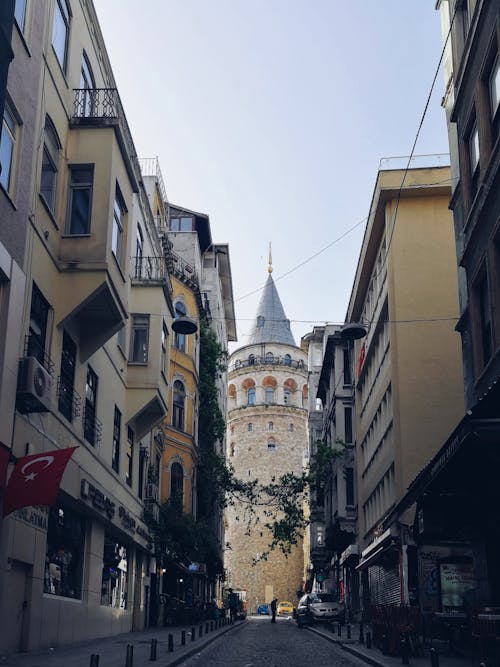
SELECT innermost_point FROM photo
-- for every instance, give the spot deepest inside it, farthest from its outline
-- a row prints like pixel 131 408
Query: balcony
pixel 150 272
pixel 146 407
pixel 102 107
pixel 268 360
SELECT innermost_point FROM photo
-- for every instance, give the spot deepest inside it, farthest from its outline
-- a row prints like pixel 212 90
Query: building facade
pixel 83 362
pixel 266 438
pixel 409 384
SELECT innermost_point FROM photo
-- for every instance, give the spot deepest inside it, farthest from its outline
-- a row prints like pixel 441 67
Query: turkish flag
pixel 36 479
pixel 4 462
pixel 361 359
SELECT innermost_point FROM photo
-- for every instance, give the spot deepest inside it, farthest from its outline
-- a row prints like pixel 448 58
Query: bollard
pixel 368 640
pixel 183 638
pixel 361 636
pixel 154 646
pixel 348 631
pixel 207 627
pixel 94 660
pixel 200 631
pixel 129 658
pixel 339 630
pixel 211 626
pixel 405 652
pixel 170 643
pixel 193 634
pixel 385 645
pixel 435 658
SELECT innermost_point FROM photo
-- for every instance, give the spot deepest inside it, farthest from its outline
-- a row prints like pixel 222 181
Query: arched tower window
pixel 269 358
pixel 288 360
pixel 251 396
pixel 179 398
pixel 251 360
pixel 271 445
pixel 269 395
pixel 287 395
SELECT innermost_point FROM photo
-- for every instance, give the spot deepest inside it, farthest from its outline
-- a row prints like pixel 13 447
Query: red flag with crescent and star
pixel 35 479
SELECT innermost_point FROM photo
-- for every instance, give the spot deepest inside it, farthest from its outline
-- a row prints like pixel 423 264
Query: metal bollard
pixel 154 647
pixel 94 660
pixel 339 630
pixel 368 640
pixel 361 636
pixel 207 627
pixel 183 638
pixel 200 631
pixel 193 634
pixel 435 658
pixel 405 650
pixel 385 645
pixel 170 643
pixel 129 658
pixel 211 626
pixel 348 631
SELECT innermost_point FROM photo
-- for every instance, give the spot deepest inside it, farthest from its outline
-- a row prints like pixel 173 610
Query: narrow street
pixel 260 643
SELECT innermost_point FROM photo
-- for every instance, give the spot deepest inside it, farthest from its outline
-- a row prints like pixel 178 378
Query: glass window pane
pixel 474 149
pixel 20 13
pixel 186 224
pixel 6 152
pixel 60 33
pixel 495 87
pixel 174 224
pixel 48 180
pixel 80 209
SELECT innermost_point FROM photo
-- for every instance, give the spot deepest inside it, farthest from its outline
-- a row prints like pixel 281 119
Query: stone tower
pixel 266 437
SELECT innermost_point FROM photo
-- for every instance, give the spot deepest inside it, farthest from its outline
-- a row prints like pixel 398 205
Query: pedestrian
pixel 233 605
pixel 274 605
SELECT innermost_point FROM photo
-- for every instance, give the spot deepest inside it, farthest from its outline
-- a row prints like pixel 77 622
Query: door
pixel 15 624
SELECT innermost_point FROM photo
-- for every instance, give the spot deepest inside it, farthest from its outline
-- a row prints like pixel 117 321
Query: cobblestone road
pixel 260 643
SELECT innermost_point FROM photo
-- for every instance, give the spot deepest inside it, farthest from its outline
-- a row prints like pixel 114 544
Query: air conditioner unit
pixel 34 386
pixel 151 492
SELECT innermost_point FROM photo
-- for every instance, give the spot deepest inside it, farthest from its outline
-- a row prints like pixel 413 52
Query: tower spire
pixel 270 267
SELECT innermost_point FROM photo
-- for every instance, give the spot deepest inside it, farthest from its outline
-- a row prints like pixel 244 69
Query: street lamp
pixel 353 331
pixel 184 325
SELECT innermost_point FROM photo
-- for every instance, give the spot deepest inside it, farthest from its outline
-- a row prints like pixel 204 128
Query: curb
pixel 199 647
pixel 347 645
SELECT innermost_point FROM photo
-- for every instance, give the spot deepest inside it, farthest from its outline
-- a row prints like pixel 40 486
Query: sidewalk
pixel 373 656
pixel 112 651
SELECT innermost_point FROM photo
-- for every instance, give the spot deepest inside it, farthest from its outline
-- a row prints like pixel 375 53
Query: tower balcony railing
pixel 267 360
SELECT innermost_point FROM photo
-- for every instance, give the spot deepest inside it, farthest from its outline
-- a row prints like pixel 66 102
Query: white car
pixel 319 608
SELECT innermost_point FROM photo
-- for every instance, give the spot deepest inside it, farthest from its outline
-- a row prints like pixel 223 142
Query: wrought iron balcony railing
pixel 33 348
pixel 149 268
pixel 92 427
pixel 268 360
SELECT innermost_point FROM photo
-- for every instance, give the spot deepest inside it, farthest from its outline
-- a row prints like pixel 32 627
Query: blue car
pixel 263 609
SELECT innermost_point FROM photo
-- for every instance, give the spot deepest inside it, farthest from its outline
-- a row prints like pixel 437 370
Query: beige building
pixel 91 339
pixel 266 438
pixel 409 390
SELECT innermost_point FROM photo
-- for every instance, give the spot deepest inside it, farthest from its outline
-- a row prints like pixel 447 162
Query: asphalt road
pixel 260 643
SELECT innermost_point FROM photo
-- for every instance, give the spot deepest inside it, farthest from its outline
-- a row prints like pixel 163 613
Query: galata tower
pixel 266 438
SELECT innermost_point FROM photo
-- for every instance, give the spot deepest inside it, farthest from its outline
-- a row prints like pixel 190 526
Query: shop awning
pixel 376 549
pixel 369 560
pixel 352 550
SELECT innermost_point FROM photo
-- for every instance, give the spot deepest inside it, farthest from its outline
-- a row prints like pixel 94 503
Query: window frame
pixel 65 17
pixel 118 225
pixel 12 132
pixel 20 22
pixel 50 157
pixel 65 403
pixel 177 481
pixel 115 452
pixel 269 395
pixel 251 396
pixel 74 187
pixel 129 473
pixel 140 325
pixel 178 405
pixel 90 414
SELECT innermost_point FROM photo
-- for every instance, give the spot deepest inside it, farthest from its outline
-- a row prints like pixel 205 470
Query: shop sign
pixel 36 516
pixel 97 498
pixel 144 534
pixel 128 521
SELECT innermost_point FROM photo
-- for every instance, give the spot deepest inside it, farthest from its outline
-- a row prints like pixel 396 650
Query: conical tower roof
pixel 271 325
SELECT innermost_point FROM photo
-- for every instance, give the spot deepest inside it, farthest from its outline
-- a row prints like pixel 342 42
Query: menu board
pixel 455 579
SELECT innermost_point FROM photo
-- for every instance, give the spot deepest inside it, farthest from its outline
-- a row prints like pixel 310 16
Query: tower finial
pixel 270 268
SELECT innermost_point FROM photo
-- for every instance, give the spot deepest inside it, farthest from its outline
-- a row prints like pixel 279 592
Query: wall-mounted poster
pixel 455 580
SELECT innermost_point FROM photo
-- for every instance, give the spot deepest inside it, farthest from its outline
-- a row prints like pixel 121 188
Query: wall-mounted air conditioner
pixel 34 386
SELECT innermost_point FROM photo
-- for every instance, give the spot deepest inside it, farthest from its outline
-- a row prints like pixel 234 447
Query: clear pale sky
pixel 271 116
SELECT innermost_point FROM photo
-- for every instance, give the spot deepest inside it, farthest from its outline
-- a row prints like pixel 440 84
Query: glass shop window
pixel 114 574
pixel 64 555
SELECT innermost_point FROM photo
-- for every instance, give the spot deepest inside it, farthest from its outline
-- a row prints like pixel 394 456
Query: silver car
pixel 319 608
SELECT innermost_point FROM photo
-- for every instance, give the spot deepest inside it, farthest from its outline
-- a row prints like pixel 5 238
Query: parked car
pixel 285 609
pixel 263 609
pixel 319 608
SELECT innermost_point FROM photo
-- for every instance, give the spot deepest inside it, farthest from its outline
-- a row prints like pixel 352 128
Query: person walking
pixel 233 605
pixel 274 605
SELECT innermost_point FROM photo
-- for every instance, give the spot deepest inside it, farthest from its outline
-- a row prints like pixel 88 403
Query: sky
pixel 272 116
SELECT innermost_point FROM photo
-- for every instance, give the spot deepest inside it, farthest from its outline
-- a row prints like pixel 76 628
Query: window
pixel 288 360
pixel 118 225
pixel 180 338
pixel 139 339
pixel 474 158
pixel 269 395
pixel 349 486
pixel 139 240
pixel 120 340
pixel 114 574
pixel 251 396
pixel 60 33
pixel 260 321
pixel 80 199
pixel 348 424
pixel 50 161
pixel 290 427
pixel 117 426
pixel 251 360
pixel 89 419
pixel 67 377
pixel 271 445
pixel 183 224
pixel 7 147
pixel 87 83
pixel 20 13
pixel 39 315
pixel 164 334
pixel 250 427
pixel 287 395
pixel 64 553
pixel 494 97
pixel 130 456
pixel 270 426
pixel 347 366
pixel 177 483
pixel 485 323
pixel 179 396
pixel 269 358
pixel 142 467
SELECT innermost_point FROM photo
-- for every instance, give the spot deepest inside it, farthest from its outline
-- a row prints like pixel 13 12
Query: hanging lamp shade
pixel 184 325
pixel 353 331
